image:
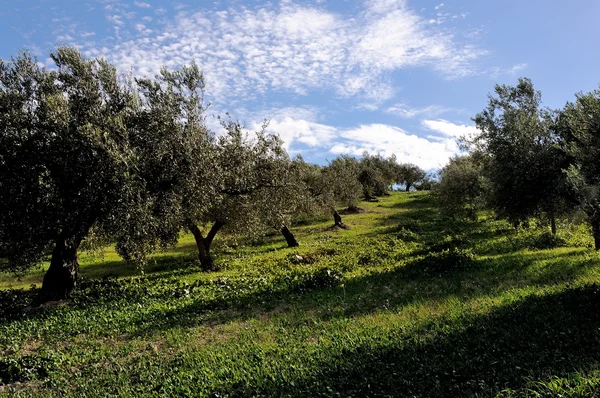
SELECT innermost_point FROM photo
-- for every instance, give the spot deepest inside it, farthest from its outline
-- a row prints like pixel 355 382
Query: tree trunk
pixel 596 233
pixel 289 237
pixel 337 219
pixel 408 187
pixel 553 223
pixel 204 243
pixel 61 277
pixel 211 234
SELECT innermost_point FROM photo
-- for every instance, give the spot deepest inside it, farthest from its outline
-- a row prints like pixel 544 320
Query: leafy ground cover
pixel 405 303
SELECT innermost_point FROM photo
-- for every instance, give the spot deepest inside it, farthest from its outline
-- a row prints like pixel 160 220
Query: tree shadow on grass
pixel 482 355
pixel 414 201
pixel 359 296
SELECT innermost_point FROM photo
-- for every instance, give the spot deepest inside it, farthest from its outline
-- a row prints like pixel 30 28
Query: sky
pixel 400 77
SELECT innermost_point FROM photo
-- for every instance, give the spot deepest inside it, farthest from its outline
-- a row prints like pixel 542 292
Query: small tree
pixel 409 174
pixel 376 174
pixel 462 187
pixel 341 175
pixel 428 183
pixel 252 180
pixel 308 194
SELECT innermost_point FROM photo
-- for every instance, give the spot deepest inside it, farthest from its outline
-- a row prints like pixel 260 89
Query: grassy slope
pixel 354 315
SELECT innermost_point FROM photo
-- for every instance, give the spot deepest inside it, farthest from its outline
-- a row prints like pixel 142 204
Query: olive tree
pixel 461 191
pixel 525 160
pixel 341 176
pixel 579 125
pixel 376 174
pixel 174 152
pixel 409 174
pixel 65 160
pixel 251 182
pixel 82 149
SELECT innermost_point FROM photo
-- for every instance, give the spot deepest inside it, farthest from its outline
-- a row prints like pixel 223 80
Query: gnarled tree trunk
pixel 289 237
pixel 204 243
pixel 337 219
pixel 61 278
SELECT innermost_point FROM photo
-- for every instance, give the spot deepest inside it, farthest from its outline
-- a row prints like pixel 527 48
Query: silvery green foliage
pixel 65 158
pixel 252 179
pixel 175 153
pixel 313 194
pixel 524 160
pixel 82 149
pixel 377 174
pixel 341 175
pixel 409 174
pixel 579 125
pixel 462 189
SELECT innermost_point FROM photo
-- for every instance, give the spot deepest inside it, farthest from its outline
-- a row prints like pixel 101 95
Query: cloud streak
pixel 289 48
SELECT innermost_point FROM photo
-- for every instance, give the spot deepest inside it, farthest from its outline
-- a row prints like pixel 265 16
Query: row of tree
pixel 86 153
pixel 529 161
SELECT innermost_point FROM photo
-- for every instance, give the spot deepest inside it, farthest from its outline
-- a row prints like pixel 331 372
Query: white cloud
pixel 115 19
pixel 294 131
pixel 246 52
pixel 408 112
pixel 439 6
pixel 294 125
pixel 64 38
pixel 141 4
pixel 388 140
pixel 512 71
pixel 450 129
pixel 301 132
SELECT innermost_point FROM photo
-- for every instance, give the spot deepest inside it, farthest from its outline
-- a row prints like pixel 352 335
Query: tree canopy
pixel 66 160
pixel 524 160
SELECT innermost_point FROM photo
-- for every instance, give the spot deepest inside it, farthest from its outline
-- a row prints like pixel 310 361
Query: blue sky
pixel 387 76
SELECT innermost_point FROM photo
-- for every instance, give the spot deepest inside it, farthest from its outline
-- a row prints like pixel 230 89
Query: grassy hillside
pixel 405 303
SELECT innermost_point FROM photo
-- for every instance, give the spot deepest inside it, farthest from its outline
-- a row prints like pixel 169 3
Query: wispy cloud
pixel 407 112
pixel 449 129
pixel 141 4
pixel 511 71
pixel 292 48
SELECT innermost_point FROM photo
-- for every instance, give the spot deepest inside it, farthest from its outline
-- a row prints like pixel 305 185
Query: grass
pixel 405 303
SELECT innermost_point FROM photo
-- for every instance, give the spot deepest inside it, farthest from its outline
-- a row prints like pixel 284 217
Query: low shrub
pixel 449 242
pixel 323 278
pixel 545 240
pixel 407 235
pixel 26 368
pixel 444 262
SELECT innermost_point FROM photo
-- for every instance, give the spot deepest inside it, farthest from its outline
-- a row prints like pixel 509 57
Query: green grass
pixel 405 303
